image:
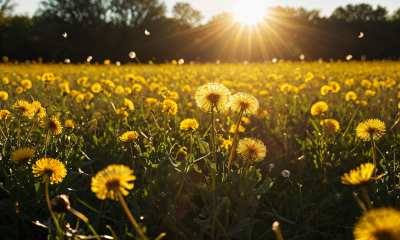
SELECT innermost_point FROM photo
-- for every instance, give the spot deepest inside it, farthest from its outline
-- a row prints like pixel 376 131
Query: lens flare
pixel 250 12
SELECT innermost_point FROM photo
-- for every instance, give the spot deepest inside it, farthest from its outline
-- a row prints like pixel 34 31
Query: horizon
pixel 210 8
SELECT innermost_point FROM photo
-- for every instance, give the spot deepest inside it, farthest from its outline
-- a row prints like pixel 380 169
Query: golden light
pixel 249 12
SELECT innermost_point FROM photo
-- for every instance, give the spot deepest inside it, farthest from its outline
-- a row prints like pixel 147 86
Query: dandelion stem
pixel 365 192
pixel 214 183
pixel 133 160
pixel 86 220
pixel 48 94
pixel 373 152
pixel 19 128
pixel 98 111
pixel 5 124
pixel 29 132
pixel 351 120
pixel 3 133
pixel 129 214
pixel 234 140
pixel 191 143
pixel 49 206
pixel 45 149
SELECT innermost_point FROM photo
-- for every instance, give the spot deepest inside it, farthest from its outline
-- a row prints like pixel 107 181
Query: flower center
pixel 213 98
pixel 383 235
pixel 112 184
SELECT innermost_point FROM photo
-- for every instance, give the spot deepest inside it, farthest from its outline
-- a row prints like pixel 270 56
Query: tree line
pixel 110 29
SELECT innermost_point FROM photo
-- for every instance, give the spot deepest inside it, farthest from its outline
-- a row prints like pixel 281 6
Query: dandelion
pixel 27 84
pixel 3 95
pixel 213 97
pixel 325 90
pixel 113 182
pixel 371 129
pixel 351 96
pixel 169 106
pixel 69 124
pixel 50 170
pixel 285 173
pixel 129 104
pixel 189 124
pixel 96 88
pixel 24 108
pixel 53 124
pixel 150 101
pixel 5 80
pixel 4 114
pixel 129 136
pixel 137 87
pixel 331 125
pixel 318 108
pixel 251 150
pixel 334 86
pixel 19 90
pixel 22 155
pixel 359 176
pixel 48 78
pixel 377 224
pixel 245 103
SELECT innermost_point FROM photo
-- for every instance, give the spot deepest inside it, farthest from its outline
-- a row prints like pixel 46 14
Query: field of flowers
pixel 285 150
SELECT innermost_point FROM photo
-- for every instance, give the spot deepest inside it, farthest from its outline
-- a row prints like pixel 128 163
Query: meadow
pixel 285 150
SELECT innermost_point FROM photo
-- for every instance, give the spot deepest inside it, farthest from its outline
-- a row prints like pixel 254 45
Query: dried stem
pixel 29 132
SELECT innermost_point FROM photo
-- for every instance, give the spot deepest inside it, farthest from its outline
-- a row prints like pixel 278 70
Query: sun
pixel 250 12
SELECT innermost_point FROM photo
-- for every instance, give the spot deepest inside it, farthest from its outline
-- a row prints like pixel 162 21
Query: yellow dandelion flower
pixel 64 87
pixel 19 90
pixel 21 155
pixel 129 104
pixel 49 169
pixel 370 93
pixel 151 101
pixel 331 125
pixel 107 62
pixel 233 128
pixel 119 89
pixel 5 80
pixel 110 180
pixel 80 98
pixel 362 103
pixel 4 114
pixel 186 88
pixel 122 114
pixel 365 83
pixel 261 113
pixel 96 88
pixel 129 136
pixel 246 120
pixel 244 102
pixel 69 123
pixel 169 106
pixel 48 78
pixel 24 108
pixel 27 84
pixel 378 224
pixel 225 143
pixel 53 124
pixel 39 111
pixel 371 127
pixel 335 87
pixel 89 96
pixel 325 90
pixel 3 95
pixel 129 77
pixel 137 87
pixel 173 95
pixel 360 175
pixel 127 90
pixel 318 108
pixel 213 97
pixel 189 124
pixel 251 149
pixel 351 96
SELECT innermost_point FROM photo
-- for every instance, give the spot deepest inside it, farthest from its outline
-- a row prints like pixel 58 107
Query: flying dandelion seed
pixel 181 61
pixel 302 57
pixel 150 62
pixel 118 63
pixel 146 32
pixel 349 57
pixel 132 54
pixel 271 165
pixel 218 62
pixel 89 58
pixel 245 62
pixel 274 60
pixel 65 35
pixel 67 60
pixel 361 35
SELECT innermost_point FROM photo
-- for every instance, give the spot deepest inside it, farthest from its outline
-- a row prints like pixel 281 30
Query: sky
pixel 211 8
